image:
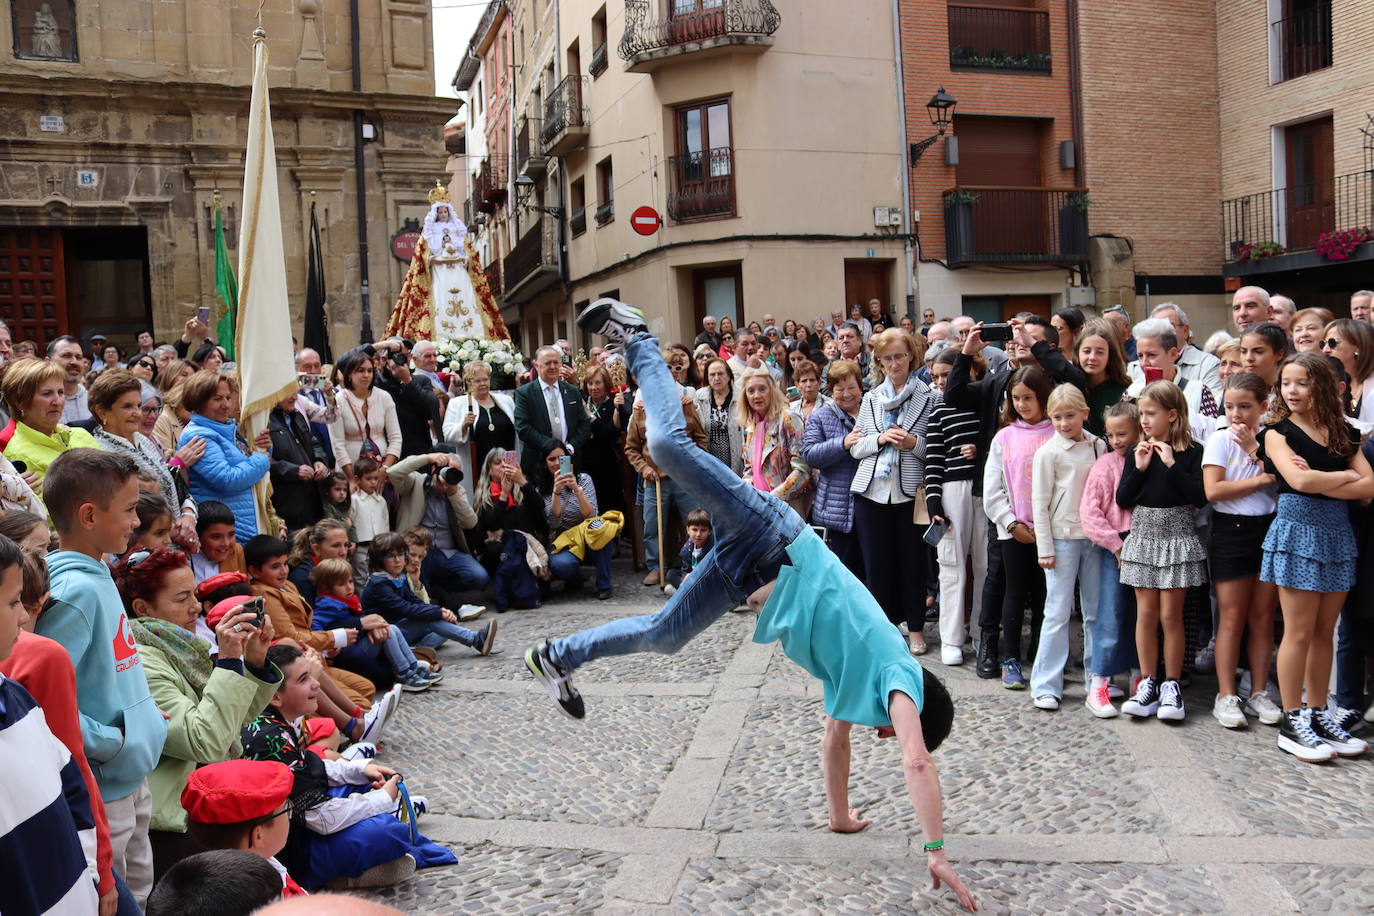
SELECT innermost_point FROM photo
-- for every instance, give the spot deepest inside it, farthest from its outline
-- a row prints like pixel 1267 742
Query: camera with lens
pixel 400 358
pixel 448 474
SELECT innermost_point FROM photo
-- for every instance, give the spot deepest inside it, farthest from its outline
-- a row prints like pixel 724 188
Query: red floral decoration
pixel 1339 244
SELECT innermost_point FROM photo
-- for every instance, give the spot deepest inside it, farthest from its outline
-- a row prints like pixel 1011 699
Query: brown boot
pixel 652 578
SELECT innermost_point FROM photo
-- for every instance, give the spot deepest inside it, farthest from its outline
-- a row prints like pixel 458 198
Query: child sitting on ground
pixel 223 882
pixel 388 593
pixel 337 607
pixel 344 810
pixel 220 551
pixel 699 542
pixel 242 804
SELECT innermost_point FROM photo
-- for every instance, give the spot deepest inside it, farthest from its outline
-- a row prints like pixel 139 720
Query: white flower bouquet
pixel 507 363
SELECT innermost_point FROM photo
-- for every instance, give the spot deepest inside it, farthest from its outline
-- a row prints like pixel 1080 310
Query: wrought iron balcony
pixel 1016 225
pixel 565 116
pixel 489 185
pixel 493 271
pixel 702 185
pixel 998 38
pixel 655 32
pixel 1293 218
pixel 577 222
pixel 529 149
pixel 599 61
pixel 533 264
pixel 1304 41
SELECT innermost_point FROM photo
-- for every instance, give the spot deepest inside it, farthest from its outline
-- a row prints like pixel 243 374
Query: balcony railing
pixel 1303 41
pixel 663 28
pixel 1293 218
pixel 489 185
pixel 529 149
pixel 605 213
pixel 997 38
pixel 578 221
pixel 702 185
pixel 493 271
pixel 565 116
pixel 599 60
pixel 1016 225
pixel 532 265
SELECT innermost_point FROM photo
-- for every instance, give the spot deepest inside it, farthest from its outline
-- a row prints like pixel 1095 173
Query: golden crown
pixel 439 195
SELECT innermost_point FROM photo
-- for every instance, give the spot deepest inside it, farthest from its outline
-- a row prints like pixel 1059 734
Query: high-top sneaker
pixel 1170 701
pixel 1145 703
pixel 613 319
pixel 1099 699
pixel 988 667
pixel 1330 731
pixel 1297 737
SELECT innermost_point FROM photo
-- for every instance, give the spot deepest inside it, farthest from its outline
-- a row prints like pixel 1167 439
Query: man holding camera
pixel 417 406
pixel 430 495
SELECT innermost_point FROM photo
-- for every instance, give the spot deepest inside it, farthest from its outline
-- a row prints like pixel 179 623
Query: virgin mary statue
pixel 445 295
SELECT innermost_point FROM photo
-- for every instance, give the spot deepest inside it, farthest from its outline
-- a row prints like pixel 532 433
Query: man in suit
pixel 549 409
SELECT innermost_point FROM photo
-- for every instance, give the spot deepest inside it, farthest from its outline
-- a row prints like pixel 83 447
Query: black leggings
pixel 1025 584
pixel 894 559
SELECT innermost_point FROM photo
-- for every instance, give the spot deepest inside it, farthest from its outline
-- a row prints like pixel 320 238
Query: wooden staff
pixel 658 504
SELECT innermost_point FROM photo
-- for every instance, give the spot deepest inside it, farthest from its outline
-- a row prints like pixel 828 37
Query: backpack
pixel 514 585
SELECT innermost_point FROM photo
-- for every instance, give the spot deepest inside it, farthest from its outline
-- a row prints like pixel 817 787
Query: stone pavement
pixel 694 786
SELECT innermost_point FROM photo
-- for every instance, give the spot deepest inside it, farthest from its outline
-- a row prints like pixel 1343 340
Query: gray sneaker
pixel 1227 711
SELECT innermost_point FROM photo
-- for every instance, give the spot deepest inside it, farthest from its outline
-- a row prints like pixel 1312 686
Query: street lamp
pixel 524 187
pixel 940 108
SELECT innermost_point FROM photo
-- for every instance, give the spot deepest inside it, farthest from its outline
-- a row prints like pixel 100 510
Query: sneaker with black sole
pixel 1297 737
pixel 1341 741
pixel 485 638
pixel 1170 702
pixel 1145 702
pixel 612 319
pixel 557 681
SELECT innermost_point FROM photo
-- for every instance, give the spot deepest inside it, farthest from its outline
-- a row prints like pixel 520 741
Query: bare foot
pixel 851 824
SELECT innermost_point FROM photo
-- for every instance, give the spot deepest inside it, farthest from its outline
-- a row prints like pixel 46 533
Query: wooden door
pixel 1310 199
pixel 864 280
pixel 1015 305
pixel 33 284
pixel 1002 156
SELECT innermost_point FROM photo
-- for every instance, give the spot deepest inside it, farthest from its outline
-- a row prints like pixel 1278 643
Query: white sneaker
pixel 470 611
pixel 363 750
pixel 1227 711
pixel 1047 702
pixel 670 590
pixel 1099 699
pixel 951 655
pixel 1263 708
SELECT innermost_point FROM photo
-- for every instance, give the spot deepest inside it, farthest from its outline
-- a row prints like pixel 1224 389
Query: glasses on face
pixel 151 410
pixel 1330 343
pixel 144 364
pixel 398 556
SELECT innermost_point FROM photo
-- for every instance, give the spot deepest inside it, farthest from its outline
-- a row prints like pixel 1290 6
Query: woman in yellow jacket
pixel 33 392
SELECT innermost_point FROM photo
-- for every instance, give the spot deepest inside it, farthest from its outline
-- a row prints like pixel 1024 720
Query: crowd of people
pixel 217 678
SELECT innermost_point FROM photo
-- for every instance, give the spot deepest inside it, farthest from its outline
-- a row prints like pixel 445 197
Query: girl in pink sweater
pixel 1104 522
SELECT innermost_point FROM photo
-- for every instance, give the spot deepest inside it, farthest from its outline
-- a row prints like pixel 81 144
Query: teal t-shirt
pixel 828 623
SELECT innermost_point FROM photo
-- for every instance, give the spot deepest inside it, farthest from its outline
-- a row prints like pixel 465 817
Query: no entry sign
pixel 646 220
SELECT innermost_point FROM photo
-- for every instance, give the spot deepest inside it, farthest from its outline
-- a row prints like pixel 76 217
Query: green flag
pixel 226 290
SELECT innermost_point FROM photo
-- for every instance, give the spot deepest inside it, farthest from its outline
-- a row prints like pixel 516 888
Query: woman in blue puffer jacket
pixel 825 447
pixel 224 473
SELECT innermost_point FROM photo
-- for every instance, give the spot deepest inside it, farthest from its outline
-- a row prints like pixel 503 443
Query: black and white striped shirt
pixel 949 431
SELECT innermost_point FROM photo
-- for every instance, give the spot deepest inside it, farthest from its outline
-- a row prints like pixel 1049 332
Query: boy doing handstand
pixel 825 619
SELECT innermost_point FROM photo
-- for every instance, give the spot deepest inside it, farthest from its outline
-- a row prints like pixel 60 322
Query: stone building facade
pixel 125 118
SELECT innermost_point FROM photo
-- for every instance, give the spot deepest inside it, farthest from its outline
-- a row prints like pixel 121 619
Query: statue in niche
pixel 46 41
pixel 44 29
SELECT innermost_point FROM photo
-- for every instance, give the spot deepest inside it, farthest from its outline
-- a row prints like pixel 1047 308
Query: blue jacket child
pixel 421 623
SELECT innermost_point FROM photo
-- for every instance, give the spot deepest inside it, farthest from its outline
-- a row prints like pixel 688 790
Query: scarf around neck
pixel 185 650
pixel 891 402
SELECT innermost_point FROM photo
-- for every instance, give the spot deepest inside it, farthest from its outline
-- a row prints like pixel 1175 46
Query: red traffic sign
pixel 645 220
pixel 403 244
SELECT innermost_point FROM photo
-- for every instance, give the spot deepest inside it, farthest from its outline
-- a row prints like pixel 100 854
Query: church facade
pixel 124 119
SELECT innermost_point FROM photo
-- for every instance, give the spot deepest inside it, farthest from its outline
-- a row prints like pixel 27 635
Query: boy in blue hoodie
pixel 92 499
pixel 388 593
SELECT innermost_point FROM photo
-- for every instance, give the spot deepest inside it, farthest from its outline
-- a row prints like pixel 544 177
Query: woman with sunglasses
pixel 1352 342
pixel 116 399
pixel 207 702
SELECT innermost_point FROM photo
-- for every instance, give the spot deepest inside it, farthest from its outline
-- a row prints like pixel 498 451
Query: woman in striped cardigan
pixel 891 454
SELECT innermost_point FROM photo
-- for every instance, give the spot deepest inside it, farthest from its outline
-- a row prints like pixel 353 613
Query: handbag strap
pixel 408 812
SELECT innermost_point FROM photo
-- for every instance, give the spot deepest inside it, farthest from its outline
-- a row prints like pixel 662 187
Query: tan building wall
pixel 156 107
pixel 816 147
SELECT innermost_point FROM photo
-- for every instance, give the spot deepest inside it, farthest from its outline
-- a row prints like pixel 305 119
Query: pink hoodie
pixel 1103 520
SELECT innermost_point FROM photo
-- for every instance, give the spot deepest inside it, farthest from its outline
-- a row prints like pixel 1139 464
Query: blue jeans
pixel 1074 560
pixel 1114 630
pixel 457 572
pixel 752 531
pixel 395 650
pixel 566 567
pixel 674 494
pixel 434 633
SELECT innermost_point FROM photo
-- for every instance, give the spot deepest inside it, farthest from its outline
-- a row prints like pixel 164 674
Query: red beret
pixel 218 612
pixel 236 790
pixel 319 727
pixel 217 582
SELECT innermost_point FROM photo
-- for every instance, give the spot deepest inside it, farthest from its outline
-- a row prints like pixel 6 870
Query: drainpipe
pixel 902 170
pixel 360 176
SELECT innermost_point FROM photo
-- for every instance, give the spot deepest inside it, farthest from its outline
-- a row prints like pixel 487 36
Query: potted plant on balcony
pixel 1256 251
pixel 1340 244
pixel 959 223
pixel 1073 224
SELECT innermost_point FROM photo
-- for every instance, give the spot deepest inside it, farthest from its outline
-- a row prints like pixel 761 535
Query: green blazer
pixel 536 432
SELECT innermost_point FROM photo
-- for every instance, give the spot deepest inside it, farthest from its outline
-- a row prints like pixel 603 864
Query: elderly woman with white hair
pixel 479 420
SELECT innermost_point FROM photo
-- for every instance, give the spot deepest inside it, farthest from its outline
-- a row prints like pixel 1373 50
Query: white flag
pixel 266 365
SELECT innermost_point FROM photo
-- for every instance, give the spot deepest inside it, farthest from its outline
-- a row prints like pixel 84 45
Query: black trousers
pixel 845 545
pixel 994 586
pixel 1025 583
pixel 894 559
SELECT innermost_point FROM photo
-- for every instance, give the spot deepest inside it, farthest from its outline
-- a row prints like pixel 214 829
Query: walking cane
pixel 658 504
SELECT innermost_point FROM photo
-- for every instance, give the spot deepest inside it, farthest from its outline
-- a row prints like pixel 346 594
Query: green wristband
pixel 933 847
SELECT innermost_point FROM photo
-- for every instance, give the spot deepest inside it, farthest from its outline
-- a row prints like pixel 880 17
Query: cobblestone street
pixel 694 785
